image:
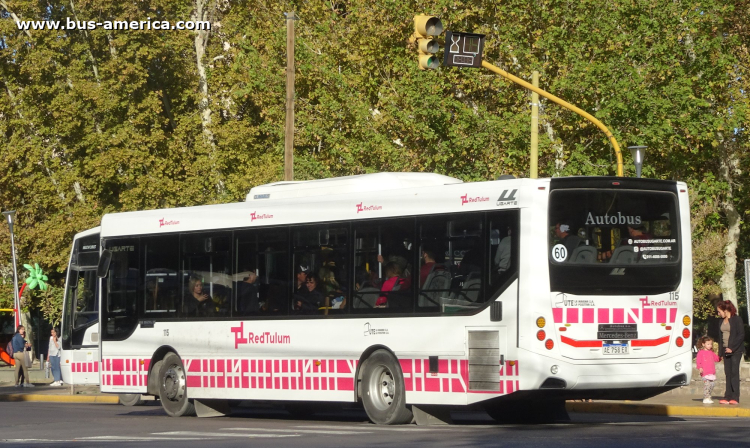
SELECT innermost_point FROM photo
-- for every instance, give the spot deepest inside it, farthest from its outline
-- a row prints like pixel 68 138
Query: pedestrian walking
pixel 705 362
pixel 19 347
pixel 53 358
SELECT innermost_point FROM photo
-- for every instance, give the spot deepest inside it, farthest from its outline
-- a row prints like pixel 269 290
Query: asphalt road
pixel 93 425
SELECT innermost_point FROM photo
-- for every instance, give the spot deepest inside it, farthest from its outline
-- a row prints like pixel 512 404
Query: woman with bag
pixel 53 358
pixel 19 354
pixel 731 348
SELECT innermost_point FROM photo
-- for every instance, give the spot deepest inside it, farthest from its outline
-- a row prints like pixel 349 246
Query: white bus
pixel 421 293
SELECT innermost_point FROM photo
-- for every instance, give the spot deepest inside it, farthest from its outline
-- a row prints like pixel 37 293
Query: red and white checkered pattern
pixel 125 372
pixel 86 367
pixel 573 315
pixel 303 374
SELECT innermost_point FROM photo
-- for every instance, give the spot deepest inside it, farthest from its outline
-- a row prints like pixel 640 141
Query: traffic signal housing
pixel 425 30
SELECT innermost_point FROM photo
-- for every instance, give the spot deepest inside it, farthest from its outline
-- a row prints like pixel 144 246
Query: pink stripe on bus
pixel 588 315
pixel 557 315
pixel 618 316
pixel 572 316
pixel 603 315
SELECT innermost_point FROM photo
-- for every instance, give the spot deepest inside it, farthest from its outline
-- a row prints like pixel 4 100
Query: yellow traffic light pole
pixel 564 104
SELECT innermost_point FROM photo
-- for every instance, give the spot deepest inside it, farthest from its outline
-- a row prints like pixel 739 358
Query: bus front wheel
pixel 173 387
pixel 383 390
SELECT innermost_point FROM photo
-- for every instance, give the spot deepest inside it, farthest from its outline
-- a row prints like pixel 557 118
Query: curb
pixel 108 399
pixel 658 409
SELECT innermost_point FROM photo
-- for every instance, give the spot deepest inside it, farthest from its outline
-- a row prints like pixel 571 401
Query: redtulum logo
pixel 612 219
pixel 256 215
pixel 465 199
pixel 264 337
pixel 646 303
pixel 368 208
pixel 163 222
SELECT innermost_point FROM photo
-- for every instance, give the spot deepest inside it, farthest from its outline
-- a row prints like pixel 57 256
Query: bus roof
pixel 348 184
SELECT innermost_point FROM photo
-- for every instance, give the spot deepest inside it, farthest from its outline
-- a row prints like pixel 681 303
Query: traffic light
pixel 425 29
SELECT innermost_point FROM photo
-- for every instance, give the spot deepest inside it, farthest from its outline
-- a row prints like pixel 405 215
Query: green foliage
pixel 105 121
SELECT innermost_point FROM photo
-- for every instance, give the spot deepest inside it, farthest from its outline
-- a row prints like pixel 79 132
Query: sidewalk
pixel 46 393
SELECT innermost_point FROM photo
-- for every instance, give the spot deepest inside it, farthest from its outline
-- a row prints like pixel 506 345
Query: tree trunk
pixel 730 170
pixel 201 12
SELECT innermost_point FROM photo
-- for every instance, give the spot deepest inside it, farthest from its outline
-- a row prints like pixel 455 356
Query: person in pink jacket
pixel 705 362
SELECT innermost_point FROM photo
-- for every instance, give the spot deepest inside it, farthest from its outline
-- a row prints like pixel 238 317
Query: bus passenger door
pixel 79 360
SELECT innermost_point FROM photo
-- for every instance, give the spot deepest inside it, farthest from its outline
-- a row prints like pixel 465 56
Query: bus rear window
pixel 620 234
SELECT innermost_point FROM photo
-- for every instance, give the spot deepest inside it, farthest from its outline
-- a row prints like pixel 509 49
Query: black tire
pixel 383 393
pixel 131 399
pixel 173 388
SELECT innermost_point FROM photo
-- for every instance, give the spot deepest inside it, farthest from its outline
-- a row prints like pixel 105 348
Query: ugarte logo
pixel 507 198
pixel 619 218
pixel 163 222
pixel 465 199
pixel 368 208
pixel 256 215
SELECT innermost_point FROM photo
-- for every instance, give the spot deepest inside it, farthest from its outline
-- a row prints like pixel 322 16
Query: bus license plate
pixel 609 348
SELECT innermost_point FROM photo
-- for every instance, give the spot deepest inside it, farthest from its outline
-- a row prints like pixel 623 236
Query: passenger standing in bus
pixel 502 255
pixel 733 344
pixel 247 293
pixel 197 302
pixel 53 358
pixel 301 275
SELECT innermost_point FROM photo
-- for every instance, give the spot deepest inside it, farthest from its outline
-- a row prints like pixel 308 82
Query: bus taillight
pixel 549 344
pixel 685 333
pixel 679 342
pixel 541 335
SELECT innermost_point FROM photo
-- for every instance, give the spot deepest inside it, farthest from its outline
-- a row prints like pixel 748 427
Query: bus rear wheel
pixel 173 387
pixel 383 394
pixel 131 399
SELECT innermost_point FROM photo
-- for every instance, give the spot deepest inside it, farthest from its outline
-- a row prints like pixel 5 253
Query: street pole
pixel 534 163
pixel 289 130
pixel 564 104
pixel 16 300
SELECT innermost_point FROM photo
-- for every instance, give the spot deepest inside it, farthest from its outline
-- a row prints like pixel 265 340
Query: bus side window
pixel 261 278
pixel 503 264
pixel 323 251
pixel 206 280
pixel 162 286
pixel 122 284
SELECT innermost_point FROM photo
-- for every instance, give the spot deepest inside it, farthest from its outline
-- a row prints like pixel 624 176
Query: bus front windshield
pixel 605 241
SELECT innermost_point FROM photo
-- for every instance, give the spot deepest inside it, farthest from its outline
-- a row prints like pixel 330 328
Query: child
pixel 705 362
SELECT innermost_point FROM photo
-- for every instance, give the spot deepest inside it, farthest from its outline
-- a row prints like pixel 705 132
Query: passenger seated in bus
pixel 332 290
pixel 197 302
pixel 428 261
pixel 311 301
pixel 393 282
pixel 247 293
pixel 502 254
pixel 569 240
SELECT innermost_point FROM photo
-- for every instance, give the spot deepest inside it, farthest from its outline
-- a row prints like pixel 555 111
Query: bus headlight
pixel 554 370
pixel 678 366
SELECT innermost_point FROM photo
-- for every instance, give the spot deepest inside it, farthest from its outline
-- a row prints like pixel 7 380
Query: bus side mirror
pixel 104 260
